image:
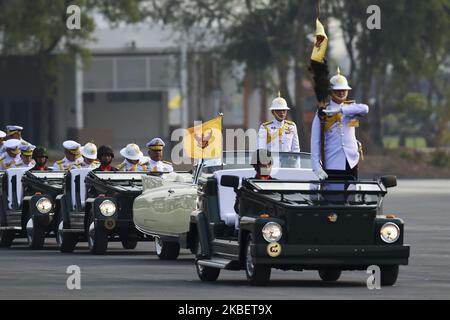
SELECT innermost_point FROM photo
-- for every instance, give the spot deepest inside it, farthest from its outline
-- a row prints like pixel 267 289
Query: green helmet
pixel 39 152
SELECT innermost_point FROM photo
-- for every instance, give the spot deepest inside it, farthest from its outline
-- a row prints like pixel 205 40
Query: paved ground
pixel 139 274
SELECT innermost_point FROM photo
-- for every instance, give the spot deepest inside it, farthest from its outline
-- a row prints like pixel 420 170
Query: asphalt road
pixel 139 274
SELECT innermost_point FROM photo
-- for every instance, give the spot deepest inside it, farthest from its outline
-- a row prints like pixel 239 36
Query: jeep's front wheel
pixel 66 242
pixel 167 250
pixel 389 275
pixel 330 274
pixel 97 237
pixel 257 274
pixel 35 235
pixel 205 273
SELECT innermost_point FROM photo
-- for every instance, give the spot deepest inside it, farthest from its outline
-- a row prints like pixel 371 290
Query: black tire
pixel 205 273
pixel 97 237
pixel 330 274
pixel 128 244
pixel 257 275
pixel 66 242
pixel 35 235
pixel 389 275
pixel 6 238
pixel 167 250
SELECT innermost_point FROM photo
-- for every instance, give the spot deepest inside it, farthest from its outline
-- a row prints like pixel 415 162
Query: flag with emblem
pixel 204 141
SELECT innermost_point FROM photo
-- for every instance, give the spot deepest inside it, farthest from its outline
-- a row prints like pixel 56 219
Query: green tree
pixel 38 28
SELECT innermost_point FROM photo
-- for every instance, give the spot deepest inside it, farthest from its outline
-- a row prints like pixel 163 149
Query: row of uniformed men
pixel 342 150
pixel 19 153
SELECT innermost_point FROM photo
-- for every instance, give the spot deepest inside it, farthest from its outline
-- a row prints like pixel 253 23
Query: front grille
pixel 317 228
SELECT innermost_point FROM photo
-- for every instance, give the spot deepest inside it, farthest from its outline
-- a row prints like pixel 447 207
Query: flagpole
pixel 221 127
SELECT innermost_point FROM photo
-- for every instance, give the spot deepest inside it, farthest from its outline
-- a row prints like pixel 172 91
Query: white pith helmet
pixel 279 104
pixel 132 152
pixel 339 82
pixel 89 150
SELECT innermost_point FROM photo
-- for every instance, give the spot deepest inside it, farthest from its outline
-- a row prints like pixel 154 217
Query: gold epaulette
pixel 267 123
pixel 120 166
pixel 330 120
pixel 60 161
pixel 349 101
pixel 167 162
pixel 289 122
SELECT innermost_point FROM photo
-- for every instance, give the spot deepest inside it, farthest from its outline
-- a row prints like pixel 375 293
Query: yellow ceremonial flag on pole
pixel 204 141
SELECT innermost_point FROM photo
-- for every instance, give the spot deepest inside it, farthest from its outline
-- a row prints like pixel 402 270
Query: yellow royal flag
pixel 204 141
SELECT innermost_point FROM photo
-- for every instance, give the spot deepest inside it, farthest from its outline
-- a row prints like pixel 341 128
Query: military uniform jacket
pixel 127 166
pixel 93 165
pixel 158 166
pixel 21 164
pixel 7 162
pixel 278 136
pixel 65 164
pixel 340 139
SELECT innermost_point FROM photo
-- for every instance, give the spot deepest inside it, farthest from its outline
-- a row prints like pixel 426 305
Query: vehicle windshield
pixel 330 193
pixel 242 160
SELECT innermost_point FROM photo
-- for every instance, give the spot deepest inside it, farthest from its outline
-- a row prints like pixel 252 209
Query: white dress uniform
pixel 156 144
pixel 158 166
pixel 6 161
pixel 89 151
pixel 26 150
pixel 65 164
pixel 340 139
pixel 132 152
pixel 2 146
pixel 278 136
pixel 128 166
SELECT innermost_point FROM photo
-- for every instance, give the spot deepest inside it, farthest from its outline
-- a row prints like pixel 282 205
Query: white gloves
pixel 322 175
pixel 332 112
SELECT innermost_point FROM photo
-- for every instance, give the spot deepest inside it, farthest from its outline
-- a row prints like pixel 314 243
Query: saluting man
pixel 72 157
pixel 89 154
pixel 342 150
pixel 11 157
pixel 155 162
pixel 133 156
pixel 26 153
pixel 279 135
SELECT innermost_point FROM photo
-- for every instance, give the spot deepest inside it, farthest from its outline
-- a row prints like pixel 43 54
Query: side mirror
pixel 230 181
pixel 389 181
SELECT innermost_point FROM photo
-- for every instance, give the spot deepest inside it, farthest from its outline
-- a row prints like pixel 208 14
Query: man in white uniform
pixel 89 154
pixel 342 150
pixel 72 157
pixel 2 141
pixel 155 162
pixel 279 135
pixel 26 156
pixel 133 156
pixel 11 157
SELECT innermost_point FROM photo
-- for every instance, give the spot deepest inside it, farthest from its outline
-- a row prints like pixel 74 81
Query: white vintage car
pixel 163 210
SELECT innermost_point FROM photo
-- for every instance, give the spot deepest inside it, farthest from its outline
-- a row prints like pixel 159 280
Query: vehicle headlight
pixel 107 208
pixel 390 232
pixel 44 205
pixel 272 232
